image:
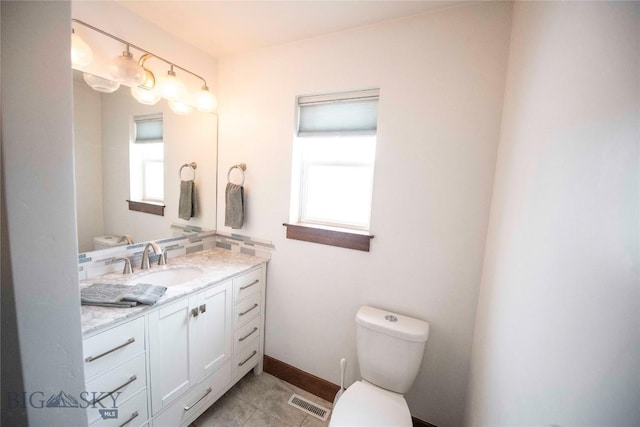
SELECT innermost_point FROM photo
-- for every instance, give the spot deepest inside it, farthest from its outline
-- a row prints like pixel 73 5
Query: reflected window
pixel 146 160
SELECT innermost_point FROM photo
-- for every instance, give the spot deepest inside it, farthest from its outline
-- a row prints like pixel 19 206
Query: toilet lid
pixel 364 404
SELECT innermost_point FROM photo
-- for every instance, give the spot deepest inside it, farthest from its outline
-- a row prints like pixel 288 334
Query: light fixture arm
pixel 129 44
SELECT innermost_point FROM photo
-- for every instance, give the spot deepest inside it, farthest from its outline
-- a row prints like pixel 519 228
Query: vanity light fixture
pixel 126 70
pixel 81 53
pixel 145 88
pixel 171 88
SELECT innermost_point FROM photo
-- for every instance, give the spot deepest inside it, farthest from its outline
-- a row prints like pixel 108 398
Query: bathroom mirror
pixel 103 129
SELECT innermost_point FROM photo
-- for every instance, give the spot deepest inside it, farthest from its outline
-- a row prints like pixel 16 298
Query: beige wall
pixel 441 79
pixel 557 338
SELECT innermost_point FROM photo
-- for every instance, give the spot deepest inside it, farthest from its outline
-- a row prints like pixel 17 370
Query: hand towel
pixel 234 209
pixel 105 294
pixel 123 296
pixel 144 293
pixel 188 205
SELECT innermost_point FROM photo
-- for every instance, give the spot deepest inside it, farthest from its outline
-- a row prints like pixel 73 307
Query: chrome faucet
pixel 145 254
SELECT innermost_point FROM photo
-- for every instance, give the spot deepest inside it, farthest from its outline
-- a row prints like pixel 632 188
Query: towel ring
pixel 192 165
pixel 242 167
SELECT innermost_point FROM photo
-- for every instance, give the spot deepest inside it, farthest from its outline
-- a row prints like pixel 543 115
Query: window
pixel 333 163
pixel 146 165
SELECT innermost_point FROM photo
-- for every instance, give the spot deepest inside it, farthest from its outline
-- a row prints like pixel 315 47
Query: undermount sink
pixel 170 277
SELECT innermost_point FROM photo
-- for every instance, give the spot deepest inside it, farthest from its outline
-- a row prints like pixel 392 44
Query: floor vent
pixel 309 407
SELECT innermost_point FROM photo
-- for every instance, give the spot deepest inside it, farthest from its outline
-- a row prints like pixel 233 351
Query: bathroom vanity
pixel 166 364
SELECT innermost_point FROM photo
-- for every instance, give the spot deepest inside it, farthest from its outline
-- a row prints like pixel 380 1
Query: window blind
pixel 148 129
pixel 350 113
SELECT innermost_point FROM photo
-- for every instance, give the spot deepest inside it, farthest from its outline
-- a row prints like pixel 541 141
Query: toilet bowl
pixel 390 350
pixel 364 404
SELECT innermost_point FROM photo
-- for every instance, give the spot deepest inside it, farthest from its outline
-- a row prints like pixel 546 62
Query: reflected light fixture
pixel 81 54
pixel 100 84
pixel 170 87
pixel 145 96
pixel 180 107
pixel 145 88
pixel 205 101
pixel 126 70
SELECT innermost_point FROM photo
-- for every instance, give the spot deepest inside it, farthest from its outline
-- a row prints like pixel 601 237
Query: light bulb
pixel 100 84
pixel 170 87
pixel 205 101
pixel 126 71
pixel 145 96
pixel 81 53
pixel 180 107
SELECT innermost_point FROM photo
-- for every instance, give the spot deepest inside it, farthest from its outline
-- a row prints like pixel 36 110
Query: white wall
pixel 37 144
pixel 441 77
pixel 87 136
pixel 557 338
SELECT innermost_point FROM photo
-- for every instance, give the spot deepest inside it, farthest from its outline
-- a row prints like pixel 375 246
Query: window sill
pixel 350 239
pixel 146 207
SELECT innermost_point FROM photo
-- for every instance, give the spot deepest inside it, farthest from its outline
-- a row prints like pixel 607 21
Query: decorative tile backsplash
pixel 192 239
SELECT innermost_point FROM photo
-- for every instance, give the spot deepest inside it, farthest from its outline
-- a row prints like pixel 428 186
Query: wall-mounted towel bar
pixel 242 167
pixel 192 165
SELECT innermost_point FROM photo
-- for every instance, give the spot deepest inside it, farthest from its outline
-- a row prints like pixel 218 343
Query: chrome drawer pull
pixel 134 415
pixel 248 335
pixel 203 308
pixel 92 358
pixel 248 358
pixel 249 285
pixel 194 312
pixel 187 408
pixel 132 379
pixel 245 312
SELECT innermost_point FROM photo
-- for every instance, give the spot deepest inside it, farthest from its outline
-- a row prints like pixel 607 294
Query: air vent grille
pixel 309 407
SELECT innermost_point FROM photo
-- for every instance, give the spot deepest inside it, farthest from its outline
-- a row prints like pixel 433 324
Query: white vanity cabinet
pixel 188 340
pixel 116 375
pixel 169 364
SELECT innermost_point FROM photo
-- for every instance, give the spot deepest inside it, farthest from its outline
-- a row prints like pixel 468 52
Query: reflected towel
pixel 234 209
pixel 188 205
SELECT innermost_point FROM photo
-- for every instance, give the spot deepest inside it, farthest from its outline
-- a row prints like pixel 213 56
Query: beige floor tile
pixel 229 411
pixel 262 419
pixel 310 421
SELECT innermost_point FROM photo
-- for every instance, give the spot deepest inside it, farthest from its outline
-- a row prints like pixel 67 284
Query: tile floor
pixel 260 401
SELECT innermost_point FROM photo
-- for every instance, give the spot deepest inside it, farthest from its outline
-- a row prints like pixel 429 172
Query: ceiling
pixel 222 28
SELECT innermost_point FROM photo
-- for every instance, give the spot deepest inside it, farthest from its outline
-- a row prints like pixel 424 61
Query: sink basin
pixel 170 277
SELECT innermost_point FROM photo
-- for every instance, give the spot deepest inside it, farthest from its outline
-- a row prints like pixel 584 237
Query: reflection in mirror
pixel 104 134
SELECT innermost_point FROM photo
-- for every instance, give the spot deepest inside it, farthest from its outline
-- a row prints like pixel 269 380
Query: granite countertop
pixel 217 265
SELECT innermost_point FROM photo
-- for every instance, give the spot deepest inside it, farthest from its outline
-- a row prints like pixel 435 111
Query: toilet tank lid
pixel 393 324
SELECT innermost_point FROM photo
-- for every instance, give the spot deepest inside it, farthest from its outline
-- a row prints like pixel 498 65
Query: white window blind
pixel 351 113
pixel 148 129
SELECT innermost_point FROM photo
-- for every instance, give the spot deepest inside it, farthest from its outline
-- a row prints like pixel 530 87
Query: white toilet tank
pixel 106 242
pixel 390 348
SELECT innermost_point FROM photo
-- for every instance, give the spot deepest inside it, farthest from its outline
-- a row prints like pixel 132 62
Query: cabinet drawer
pixel 132 413
pixel 123 382
pixel 244 335
pixel 110 348
pixel 246 310
pixel 247 284
pixel 194 402
pixel 245 360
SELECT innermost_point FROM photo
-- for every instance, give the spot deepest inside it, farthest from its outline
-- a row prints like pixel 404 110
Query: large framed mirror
pixel 104 134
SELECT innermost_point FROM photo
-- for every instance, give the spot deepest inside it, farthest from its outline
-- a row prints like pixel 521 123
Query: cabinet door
pixel 172 335
pixel 214 327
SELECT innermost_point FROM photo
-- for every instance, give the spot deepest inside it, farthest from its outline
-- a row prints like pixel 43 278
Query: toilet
pixel 106 242
pixel 390 349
